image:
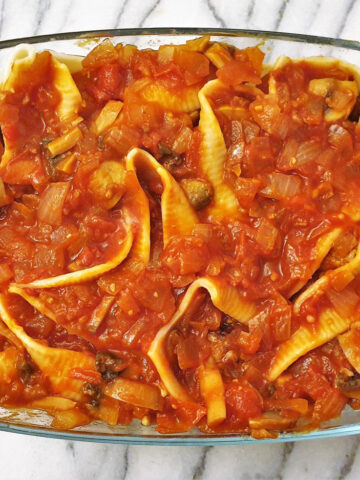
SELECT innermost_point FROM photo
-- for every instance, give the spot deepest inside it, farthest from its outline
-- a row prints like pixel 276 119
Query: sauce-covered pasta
pixel 179 238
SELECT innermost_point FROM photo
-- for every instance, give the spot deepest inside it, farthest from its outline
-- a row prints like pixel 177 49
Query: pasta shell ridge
pixel 178 216
pixel 213 155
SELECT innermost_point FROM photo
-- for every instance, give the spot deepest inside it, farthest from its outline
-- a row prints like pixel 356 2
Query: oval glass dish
pixel 273 44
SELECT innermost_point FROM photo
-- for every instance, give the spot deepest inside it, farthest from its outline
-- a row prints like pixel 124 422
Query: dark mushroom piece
pixel 26 369
pixel 94 392
pixel 342 252
pixel 169 158
pixel 348 383
pixel 355 113
pixel 226 326
pixel 199 192
pixel 109 365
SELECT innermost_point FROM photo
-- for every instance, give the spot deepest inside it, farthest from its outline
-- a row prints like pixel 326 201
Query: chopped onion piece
pixel 271 421
pixel 68 419
pixel 281 186
pixel 266 235
pixel 218 55
pixel 65 142
pixel 212 390
pixel 51 204
pixel 4 197
pixel 307 151
pixel 107 116
pixel 5 273
pixel 100 313
pixel 107 183
pixel 135 393
pixel 344 302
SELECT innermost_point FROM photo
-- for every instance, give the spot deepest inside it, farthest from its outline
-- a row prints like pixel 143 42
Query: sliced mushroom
pixel 340 96
pixel 169 158
pixel 94 393
pixel 107 183
pixel 26 369
pixel 199 192
pixel 109 365
pixel 347 383
pixel 342 252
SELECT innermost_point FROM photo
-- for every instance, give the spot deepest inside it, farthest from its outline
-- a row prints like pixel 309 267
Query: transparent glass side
pixel 36 422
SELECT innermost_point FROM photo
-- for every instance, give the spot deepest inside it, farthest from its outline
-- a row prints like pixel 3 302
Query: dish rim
pixel 175 439
pixel 228 32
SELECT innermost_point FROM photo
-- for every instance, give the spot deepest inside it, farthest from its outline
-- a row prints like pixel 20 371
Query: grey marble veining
pixel 31 458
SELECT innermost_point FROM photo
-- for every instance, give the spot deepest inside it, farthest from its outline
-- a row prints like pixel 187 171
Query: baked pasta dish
pixel 179 238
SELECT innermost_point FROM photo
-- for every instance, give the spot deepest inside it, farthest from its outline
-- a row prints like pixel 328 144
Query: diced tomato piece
pixel 5 273
pixel 46 257
pixel 329 406
pixel 127 303
pixel 185 255
pixel 195 65
pixel 180 417
pixel 25 169
pixel 153 291
pixel 87 256
pixel 109 78
pixel 188 352
pixel 245 67
pixel 91 376
pixel 242 401
pixel 10 132
pixel 250 342
pixel 97 93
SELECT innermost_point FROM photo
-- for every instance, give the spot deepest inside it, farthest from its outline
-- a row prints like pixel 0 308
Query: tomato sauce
pixel 293 163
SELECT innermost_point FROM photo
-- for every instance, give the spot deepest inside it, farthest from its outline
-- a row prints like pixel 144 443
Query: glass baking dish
pixel 273 44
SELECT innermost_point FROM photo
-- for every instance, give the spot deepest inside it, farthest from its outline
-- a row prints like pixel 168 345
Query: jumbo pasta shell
pixel 55 363
pixel 213 155
pixel 88 273
pixel 306 338
pixel 20 62
pixel 225 297
pixel 178 217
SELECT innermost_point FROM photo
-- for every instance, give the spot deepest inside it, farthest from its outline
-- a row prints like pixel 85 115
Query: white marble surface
pixel 31 458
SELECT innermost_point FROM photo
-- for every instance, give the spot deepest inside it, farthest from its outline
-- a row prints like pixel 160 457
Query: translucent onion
pixel 330 405
pixel 350 343
pixel 5 273
pixel 299 405
pixel 135 393
pixel 68 419
pixel 182 141
pixel 344 302
pixel 307 151
pixel 51 203
pixel 287 158
pixel 203 230
pixel 271 421
pixel 4 198
pixel 100 313
pixel 266 235
pixel 281 186
pixel 339 137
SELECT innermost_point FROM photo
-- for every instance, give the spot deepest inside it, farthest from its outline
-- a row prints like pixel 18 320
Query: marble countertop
pixel 31 458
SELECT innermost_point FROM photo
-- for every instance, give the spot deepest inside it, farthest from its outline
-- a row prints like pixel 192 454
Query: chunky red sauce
pixel 293 164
